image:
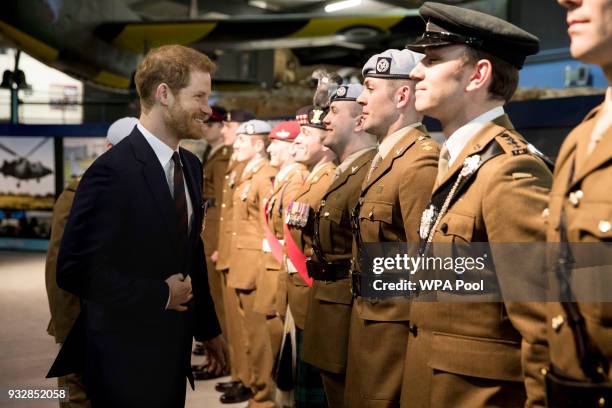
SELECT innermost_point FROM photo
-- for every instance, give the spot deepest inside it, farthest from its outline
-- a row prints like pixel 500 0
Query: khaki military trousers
pixel 239 367
pixel 215 282
pixel 334 386
pixel 375 363
pixel 256 349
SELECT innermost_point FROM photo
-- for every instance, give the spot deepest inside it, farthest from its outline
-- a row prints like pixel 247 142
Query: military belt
pixel 328 271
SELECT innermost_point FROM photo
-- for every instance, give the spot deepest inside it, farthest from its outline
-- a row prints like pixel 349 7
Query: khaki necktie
pixel 375 163
pixel 442 164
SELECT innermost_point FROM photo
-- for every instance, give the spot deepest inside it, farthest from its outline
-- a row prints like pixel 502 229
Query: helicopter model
pixel 23 169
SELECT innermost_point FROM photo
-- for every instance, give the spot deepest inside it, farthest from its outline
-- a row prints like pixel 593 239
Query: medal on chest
pixel 297 214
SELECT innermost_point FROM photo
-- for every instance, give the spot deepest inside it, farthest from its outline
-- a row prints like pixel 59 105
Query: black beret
pixel 311 116
pixel 218 114
pixel 238 115
pixel 447 25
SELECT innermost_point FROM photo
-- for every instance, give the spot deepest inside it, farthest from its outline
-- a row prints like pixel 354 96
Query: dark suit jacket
pixel 119 246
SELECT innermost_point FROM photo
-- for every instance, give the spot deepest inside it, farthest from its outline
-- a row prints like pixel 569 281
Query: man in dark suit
pixel 132 249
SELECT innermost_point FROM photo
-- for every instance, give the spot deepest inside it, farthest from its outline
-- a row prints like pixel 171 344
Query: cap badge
pixel 341 92
pixel 283 134
pixel 383 65
pixel 316 116
pixel 250 129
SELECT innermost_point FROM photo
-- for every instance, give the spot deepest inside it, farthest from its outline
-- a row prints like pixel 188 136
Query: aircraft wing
pixel 267 32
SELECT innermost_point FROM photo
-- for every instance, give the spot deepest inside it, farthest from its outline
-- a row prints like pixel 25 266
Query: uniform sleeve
pixel 512 209
pixel 85 266
pixel 64 307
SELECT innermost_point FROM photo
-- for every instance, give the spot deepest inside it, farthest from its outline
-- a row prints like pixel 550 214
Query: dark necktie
pixel 180 199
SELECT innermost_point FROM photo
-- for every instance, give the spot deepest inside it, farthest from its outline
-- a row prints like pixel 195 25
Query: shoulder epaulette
pixel 516 146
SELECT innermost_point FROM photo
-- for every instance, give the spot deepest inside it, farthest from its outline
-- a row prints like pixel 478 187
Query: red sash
pixel 296 256
pixel 275 245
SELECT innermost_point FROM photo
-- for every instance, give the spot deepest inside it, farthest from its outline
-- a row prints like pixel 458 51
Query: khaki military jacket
pixel 65 307
pixel 588 216
pixel 283 192
pixel 326 332
pixel 393 199
pixel 499 344
pixel 212 195
pixel 250 194
pixel 310 194
pixel 231 177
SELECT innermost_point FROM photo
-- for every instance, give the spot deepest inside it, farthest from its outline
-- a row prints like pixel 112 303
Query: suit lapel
pixel 195 193
pixel 476 145
pixel 156 180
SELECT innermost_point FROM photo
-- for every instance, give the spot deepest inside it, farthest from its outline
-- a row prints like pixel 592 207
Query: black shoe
pixel 200 372
pixel 235 395
pixel 199 349
pixel 226 386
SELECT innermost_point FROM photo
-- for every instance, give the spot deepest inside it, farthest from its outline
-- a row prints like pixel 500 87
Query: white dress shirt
pixel 460 137
pixel 164 155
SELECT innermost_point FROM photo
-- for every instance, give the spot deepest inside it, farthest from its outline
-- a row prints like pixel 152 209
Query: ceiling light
pixel 341 5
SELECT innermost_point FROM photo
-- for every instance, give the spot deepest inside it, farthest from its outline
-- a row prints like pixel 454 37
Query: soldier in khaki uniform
pixel 329 309
pixel 288 180
pixel 65 307
pixel 584 200
pixel 246 262
pixel 310 151
pixel 238 366
pixel 393 194
pixel 481 353
pixel 215 165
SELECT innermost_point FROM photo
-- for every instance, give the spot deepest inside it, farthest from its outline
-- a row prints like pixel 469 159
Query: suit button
pixel 557 322
pixel 604 226
pixel 444 228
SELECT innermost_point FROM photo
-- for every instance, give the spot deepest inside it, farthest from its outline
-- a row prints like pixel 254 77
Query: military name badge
pixel 245 192
pixel 232 179
pixel 427 219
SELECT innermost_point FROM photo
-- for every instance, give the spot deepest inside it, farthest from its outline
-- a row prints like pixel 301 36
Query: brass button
pixel 233 233
pixel 223 205
pixel 557 322
pixel 546 213
pixel 543 371
pixel 221 219
pixel 604 226
pixel 326 214
pixel 371 215
pixel 601 402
